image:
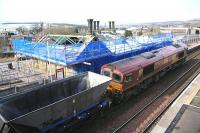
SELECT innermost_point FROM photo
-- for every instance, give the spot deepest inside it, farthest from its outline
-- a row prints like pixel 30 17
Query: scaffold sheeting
pixel 74 54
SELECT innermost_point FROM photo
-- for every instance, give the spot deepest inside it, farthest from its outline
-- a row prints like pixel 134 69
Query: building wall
pixel 50 68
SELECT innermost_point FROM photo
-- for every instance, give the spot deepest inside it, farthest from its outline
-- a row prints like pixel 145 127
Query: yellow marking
pixel 158 63
pixel 190 97
pixel 114 86
pixel 166 60
pixel 174 58
pixel 140 73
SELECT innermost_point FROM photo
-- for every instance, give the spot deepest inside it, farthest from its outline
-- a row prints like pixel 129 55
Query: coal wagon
pixel 45 107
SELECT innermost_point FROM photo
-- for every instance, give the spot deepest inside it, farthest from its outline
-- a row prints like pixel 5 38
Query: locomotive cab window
pixel 180 55
pixel 116 77
pixel 106 73
pixel 148 70
pixel 129 77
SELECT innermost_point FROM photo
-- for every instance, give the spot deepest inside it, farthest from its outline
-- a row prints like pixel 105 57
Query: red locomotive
pixel 131 75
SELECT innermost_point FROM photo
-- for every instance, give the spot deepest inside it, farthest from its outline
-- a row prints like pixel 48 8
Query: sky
pixel 77 11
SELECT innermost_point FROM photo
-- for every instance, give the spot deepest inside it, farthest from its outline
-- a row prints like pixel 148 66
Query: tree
pixel 21 29
pixel 76 30
pixel 151 29
pixel 128 33
pixel 140 33
pixel 61 30
pixel 35 29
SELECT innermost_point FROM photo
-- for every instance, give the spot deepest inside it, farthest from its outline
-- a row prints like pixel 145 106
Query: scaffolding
pixel 189 39
pixel 68 50
pixel 17 74
pixel 7 75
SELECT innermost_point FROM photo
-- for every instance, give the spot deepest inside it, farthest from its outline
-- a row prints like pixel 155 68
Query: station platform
pixel 183 116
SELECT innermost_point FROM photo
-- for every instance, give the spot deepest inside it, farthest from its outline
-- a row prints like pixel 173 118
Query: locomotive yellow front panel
pixel 114 86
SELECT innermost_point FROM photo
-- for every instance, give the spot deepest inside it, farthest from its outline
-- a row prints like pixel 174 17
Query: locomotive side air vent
pixel 155 51
pixel 148 55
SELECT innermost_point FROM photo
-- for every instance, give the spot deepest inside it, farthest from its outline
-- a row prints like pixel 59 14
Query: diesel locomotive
pixel 133 74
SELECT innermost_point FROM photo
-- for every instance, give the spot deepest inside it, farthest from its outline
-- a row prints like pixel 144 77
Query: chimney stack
pixel 95 25
pixel 110 24
pixel 98 26
pixel 113 25
pixel 90 26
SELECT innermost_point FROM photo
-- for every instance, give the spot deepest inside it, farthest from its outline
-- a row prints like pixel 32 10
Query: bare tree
pixel 22 30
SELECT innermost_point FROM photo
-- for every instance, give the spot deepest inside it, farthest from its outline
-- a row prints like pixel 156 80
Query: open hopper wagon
pixel 48 106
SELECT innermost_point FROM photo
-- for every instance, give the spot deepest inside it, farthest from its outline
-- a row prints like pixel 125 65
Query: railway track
pixel 142 120
pixel 119 114
pixel 174 99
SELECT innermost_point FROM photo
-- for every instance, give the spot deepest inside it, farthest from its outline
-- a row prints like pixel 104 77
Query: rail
pixel 188 83
pixel 163 92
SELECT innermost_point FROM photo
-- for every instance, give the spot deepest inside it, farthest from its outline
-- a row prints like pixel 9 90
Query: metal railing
pixel 69 54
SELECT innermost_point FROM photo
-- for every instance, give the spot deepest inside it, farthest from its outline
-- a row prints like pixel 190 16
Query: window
pixel 116 77
pixel 180 55
pixel 129 77
pixel 148 69
pixel 106 73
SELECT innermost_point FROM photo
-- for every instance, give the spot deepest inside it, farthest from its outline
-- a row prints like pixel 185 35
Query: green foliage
pixel 151 30
pixel 21 30
pixel 1 54
pixel 76 30
pixel 140 33
pixel 128 33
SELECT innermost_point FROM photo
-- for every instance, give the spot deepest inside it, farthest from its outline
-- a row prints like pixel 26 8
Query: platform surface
pixel 189 121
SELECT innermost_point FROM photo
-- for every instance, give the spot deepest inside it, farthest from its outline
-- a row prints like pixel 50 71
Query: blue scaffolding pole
pixel 77 52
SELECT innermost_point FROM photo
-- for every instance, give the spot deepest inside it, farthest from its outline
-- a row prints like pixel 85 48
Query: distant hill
pixel 192 22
